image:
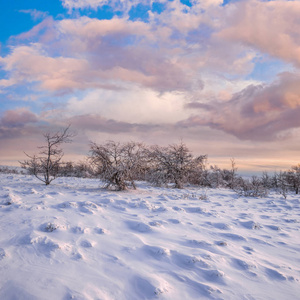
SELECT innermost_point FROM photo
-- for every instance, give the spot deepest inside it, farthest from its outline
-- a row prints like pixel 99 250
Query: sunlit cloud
pixel 255 113
pixel 149 106
pixel 104 54
pixel 43 31
pixel 270 26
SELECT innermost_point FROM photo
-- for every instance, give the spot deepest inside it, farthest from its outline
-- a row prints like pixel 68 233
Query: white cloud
pixel 131 105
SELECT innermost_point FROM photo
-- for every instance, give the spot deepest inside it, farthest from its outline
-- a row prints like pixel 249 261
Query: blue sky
pixel 222 76
pixel 14 19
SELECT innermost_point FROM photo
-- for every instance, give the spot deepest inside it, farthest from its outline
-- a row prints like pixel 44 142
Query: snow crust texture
pixel 74 240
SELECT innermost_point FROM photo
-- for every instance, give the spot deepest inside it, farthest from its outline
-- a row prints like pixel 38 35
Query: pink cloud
pixel 105 54
pixel 64 74
pixel 29 64
pixel 169 53
pixel 45 28
pixel 18 118
pixel 273 27
pixel 255 113
pixel 16 123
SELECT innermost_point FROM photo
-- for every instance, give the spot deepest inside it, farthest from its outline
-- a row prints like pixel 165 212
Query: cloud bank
pixel 255 113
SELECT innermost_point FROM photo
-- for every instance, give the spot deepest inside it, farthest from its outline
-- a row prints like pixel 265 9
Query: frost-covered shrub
pixel 230 177
pixel 118 164
pixel 215 177
pixel 174 164
pixel 251 188
pixel 266 180
pixel 282 184
pixel 292 177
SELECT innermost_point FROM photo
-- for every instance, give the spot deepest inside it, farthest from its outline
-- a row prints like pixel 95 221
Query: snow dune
pixel 73 240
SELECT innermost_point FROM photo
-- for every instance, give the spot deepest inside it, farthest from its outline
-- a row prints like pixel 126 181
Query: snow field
pixel 74 240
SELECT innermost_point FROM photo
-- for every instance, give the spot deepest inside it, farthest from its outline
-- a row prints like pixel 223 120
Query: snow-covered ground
pixel 74 240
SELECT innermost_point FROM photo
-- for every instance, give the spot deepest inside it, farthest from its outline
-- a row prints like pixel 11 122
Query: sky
pixel 221 76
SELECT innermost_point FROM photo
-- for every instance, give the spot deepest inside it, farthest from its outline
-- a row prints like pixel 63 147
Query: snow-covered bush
pixel 230 177
pixel 282 185
pixel 118 164
pixel 266 180
pixel 174 164
pixel 293 178
pixel 215 177
pixel 251 188
pixel 227 178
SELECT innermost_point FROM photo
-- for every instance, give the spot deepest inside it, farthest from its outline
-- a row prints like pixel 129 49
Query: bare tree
pixel 118 164
pixel 46 165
